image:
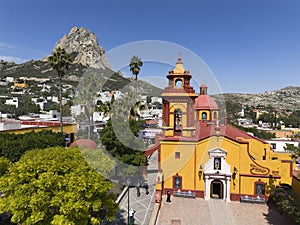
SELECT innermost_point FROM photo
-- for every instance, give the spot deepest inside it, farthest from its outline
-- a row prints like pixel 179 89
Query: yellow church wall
pixel 194 154
pixel 169 132
pixel 183 166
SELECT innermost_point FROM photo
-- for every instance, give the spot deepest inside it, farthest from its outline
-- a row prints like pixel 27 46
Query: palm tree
pixel 135 66
pixel 59 60
pixel 86 92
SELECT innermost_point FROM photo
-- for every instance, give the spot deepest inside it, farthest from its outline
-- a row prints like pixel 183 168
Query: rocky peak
pixel 83 44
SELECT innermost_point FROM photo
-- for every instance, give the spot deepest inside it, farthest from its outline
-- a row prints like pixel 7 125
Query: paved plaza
pixel 183 211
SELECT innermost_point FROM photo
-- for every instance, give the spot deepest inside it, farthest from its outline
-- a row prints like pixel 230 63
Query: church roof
pixel 207 130
pixel 84 143
pixel 205 102
pixel 179 69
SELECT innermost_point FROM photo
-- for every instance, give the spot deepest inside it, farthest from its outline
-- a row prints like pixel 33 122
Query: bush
pixel 286 203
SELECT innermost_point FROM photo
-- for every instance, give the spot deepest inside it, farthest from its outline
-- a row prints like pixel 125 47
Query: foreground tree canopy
pixel 55 186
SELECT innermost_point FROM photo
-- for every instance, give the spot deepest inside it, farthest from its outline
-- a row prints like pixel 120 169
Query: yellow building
pixel 20 84
pixel 200 156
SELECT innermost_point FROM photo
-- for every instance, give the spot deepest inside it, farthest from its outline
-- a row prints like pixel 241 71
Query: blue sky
pixel 251 46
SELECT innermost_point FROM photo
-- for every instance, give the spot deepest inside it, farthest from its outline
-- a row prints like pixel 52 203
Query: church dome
pixel 204 101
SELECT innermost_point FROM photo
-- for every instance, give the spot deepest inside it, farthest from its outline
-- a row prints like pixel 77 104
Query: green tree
pixel 13 146
pixel 126 148
pixel 55 186
pixel 4 164
pixel 293 119
pixel 295 151
pixel 59 60
pixel 135 65
pixel 232 110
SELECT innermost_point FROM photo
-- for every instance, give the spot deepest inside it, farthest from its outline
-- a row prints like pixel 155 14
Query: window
pixel 177 155
pixel 204 115
pixel 177 118
pixel 217 163
pixel 177 182
pixel 259 188
pixel 273 145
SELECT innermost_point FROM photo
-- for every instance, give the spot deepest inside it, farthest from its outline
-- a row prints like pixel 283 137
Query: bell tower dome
pixel 206 108
pixel 178 103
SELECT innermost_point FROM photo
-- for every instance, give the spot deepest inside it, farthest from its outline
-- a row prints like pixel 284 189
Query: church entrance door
pixel 216 189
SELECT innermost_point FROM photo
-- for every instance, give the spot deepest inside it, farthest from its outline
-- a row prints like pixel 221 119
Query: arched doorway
pixel 216 189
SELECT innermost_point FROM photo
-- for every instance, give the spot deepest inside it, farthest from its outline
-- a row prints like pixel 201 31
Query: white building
pixel 278 144
pixel 14 101
pixel 40 102
pixel 156 99
pixel 9 79
pixel 10 125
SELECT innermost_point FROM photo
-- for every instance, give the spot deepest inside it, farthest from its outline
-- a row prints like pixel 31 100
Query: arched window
pixel 177 119
pixel 204 115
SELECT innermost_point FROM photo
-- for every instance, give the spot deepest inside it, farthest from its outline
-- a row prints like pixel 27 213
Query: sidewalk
pixel 142 205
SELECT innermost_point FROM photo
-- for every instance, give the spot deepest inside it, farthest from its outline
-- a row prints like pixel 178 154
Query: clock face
pixel 178 83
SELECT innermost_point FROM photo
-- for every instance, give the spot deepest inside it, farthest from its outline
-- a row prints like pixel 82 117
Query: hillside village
pixel 35 84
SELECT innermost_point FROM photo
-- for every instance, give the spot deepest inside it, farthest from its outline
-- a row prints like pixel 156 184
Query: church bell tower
pixel 178 103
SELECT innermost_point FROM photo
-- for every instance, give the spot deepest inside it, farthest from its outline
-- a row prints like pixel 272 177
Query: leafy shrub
pixel 285 202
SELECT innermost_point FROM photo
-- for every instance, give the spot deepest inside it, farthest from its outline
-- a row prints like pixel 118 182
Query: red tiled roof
pixel 205 102
pixel 228 131
pixel 84 143
pixel 152 122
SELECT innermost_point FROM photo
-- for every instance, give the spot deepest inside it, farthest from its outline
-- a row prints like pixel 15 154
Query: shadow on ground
pixel 119 220
pixel 275 217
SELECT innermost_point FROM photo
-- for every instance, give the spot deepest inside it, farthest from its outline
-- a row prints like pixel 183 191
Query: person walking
pixel 131 216
pixel 169 197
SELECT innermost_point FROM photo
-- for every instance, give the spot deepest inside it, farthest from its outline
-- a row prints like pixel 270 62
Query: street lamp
pixel 134 183
pixel 200 172
pixel 235 170
pixel 129 183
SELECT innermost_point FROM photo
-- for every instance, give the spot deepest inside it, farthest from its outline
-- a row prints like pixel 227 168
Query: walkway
pixel 216 212
pixel 144 204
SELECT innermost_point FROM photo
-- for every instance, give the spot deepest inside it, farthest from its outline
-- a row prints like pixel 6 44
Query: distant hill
pixel 287 98
pixel 86 52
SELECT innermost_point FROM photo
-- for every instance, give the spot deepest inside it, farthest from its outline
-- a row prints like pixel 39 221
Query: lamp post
pixel 134 183
pixel 128 205
pixel 200 172
pixel 235 170
pixel 129 184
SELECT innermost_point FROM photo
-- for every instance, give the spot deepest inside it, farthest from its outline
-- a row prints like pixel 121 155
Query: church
pixel 201 156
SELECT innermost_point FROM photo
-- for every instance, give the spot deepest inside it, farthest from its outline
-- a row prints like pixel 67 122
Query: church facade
pixel 201 155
